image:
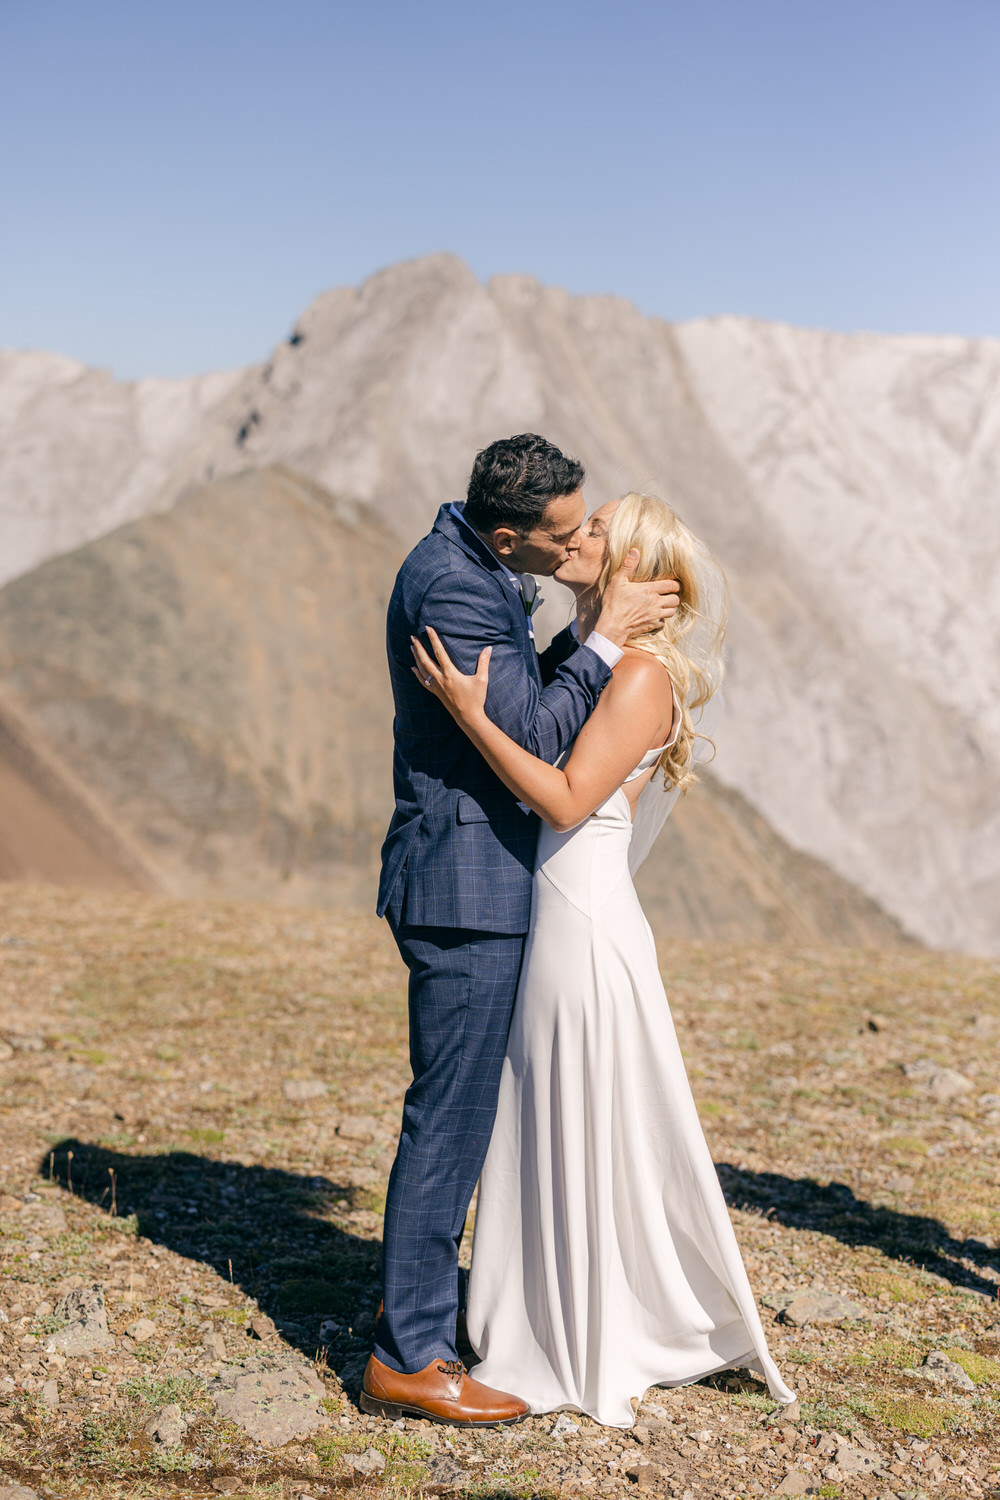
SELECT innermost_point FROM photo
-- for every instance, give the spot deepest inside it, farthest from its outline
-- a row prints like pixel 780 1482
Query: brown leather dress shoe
pixel 442 1391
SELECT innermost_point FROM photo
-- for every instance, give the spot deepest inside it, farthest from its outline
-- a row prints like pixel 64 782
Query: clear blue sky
pixel 177 180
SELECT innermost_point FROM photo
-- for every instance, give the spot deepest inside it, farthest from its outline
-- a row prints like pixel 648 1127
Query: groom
pixel 457 867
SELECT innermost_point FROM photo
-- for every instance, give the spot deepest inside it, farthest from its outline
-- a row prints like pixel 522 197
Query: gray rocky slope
pixel 198 703
pixel 848 483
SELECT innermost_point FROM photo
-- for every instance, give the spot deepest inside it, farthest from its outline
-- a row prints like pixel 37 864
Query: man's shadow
pixel 267 1231
pixel 264 1229
pixel 915 1240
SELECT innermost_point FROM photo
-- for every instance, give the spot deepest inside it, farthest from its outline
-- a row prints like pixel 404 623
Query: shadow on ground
pixel 914 1239
pixel 267 1230
pixel 263 1228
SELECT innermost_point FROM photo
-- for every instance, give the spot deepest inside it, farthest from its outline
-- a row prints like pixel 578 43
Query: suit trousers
pixel 461 995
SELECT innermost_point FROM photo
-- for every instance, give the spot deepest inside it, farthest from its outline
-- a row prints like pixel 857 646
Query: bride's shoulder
pixel 643 670
pixel 640 685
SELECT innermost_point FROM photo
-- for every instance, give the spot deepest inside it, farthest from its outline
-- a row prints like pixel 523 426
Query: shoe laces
pixel 452 1367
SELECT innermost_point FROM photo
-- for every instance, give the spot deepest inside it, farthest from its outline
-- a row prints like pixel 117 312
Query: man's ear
pixel 505 541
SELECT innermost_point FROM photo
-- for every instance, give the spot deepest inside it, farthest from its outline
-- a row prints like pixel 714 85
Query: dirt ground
pixel 198 1109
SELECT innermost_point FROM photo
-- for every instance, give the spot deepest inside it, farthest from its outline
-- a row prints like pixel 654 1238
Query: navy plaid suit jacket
pixel 462 848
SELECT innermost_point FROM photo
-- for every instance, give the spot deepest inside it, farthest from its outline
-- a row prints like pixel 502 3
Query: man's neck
pixel 503 561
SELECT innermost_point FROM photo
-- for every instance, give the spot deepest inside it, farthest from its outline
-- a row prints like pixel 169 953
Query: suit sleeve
pixel 559 649
pixel 543 720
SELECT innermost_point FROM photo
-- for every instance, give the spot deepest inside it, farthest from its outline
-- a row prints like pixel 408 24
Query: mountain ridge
pixel 230 709
pixel 845 481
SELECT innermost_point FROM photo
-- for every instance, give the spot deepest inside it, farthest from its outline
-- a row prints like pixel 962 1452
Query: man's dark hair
pixel 513 481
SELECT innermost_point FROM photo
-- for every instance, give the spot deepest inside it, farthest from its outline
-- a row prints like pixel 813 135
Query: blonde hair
pixel 689 644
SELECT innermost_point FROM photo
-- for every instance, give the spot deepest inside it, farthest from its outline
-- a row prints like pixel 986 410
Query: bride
pixel 604 1261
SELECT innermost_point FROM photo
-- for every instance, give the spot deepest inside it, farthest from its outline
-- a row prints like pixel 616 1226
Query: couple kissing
pixel 529 787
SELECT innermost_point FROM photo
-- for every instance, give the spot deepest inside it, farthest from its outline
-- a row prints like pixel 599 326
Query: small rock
pixel 444 1470
pixel 6 1051
pixel 214 1345
pixel 167 1426
pixel 989 1101
pixel 50 1394
pixel 563 1427
pixel 942 1084
pixel 299 1090
pixel 794 1483
pixel 86 1317
pixel 274 1404
pixel 852 1461
pixel 641 1433
pixel 778 1301
pixel 263 1327
pixel 791 1413
pixel 359 1128
pixel 369 1462
pixel 9 1205
pixel 946 1084
pixel 876 1023
pixel 947 1370
pixel 821 1308
pixel 17 1492
pixel 141 1330
pixel 227 1484
pixel 328 1330
pixel 650 1477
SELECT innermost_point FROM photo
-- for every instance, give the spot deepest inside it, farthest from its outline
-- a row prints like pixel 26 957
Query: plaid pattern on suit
pixel 457 865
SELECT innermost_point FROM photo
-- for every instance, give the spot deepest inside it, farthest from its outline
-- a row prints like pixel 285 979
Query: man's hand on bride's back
pixel 629 608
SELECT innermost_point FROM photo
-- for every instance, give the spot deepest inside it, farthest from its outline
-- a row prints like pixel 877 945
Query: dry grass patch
pixel 896 1353
pixel 899 1288
pixel 918 1416
pixel 979 1367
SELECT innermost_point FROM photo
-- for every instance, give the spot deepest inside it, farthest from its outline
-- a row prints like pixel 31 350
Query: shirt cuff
pixel 609 653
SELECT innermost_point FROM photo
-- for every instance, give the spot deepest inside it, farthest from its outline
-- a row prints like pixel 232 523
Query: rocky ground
pixel 198 1108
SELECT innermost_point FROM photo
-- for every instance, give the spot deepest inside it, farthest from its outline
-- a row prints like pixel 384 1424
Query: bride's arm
pixel 629 714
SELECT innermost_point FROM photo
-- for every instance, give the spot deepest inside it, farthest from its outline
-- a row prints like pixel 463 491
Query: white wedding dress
pixel 604 1260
